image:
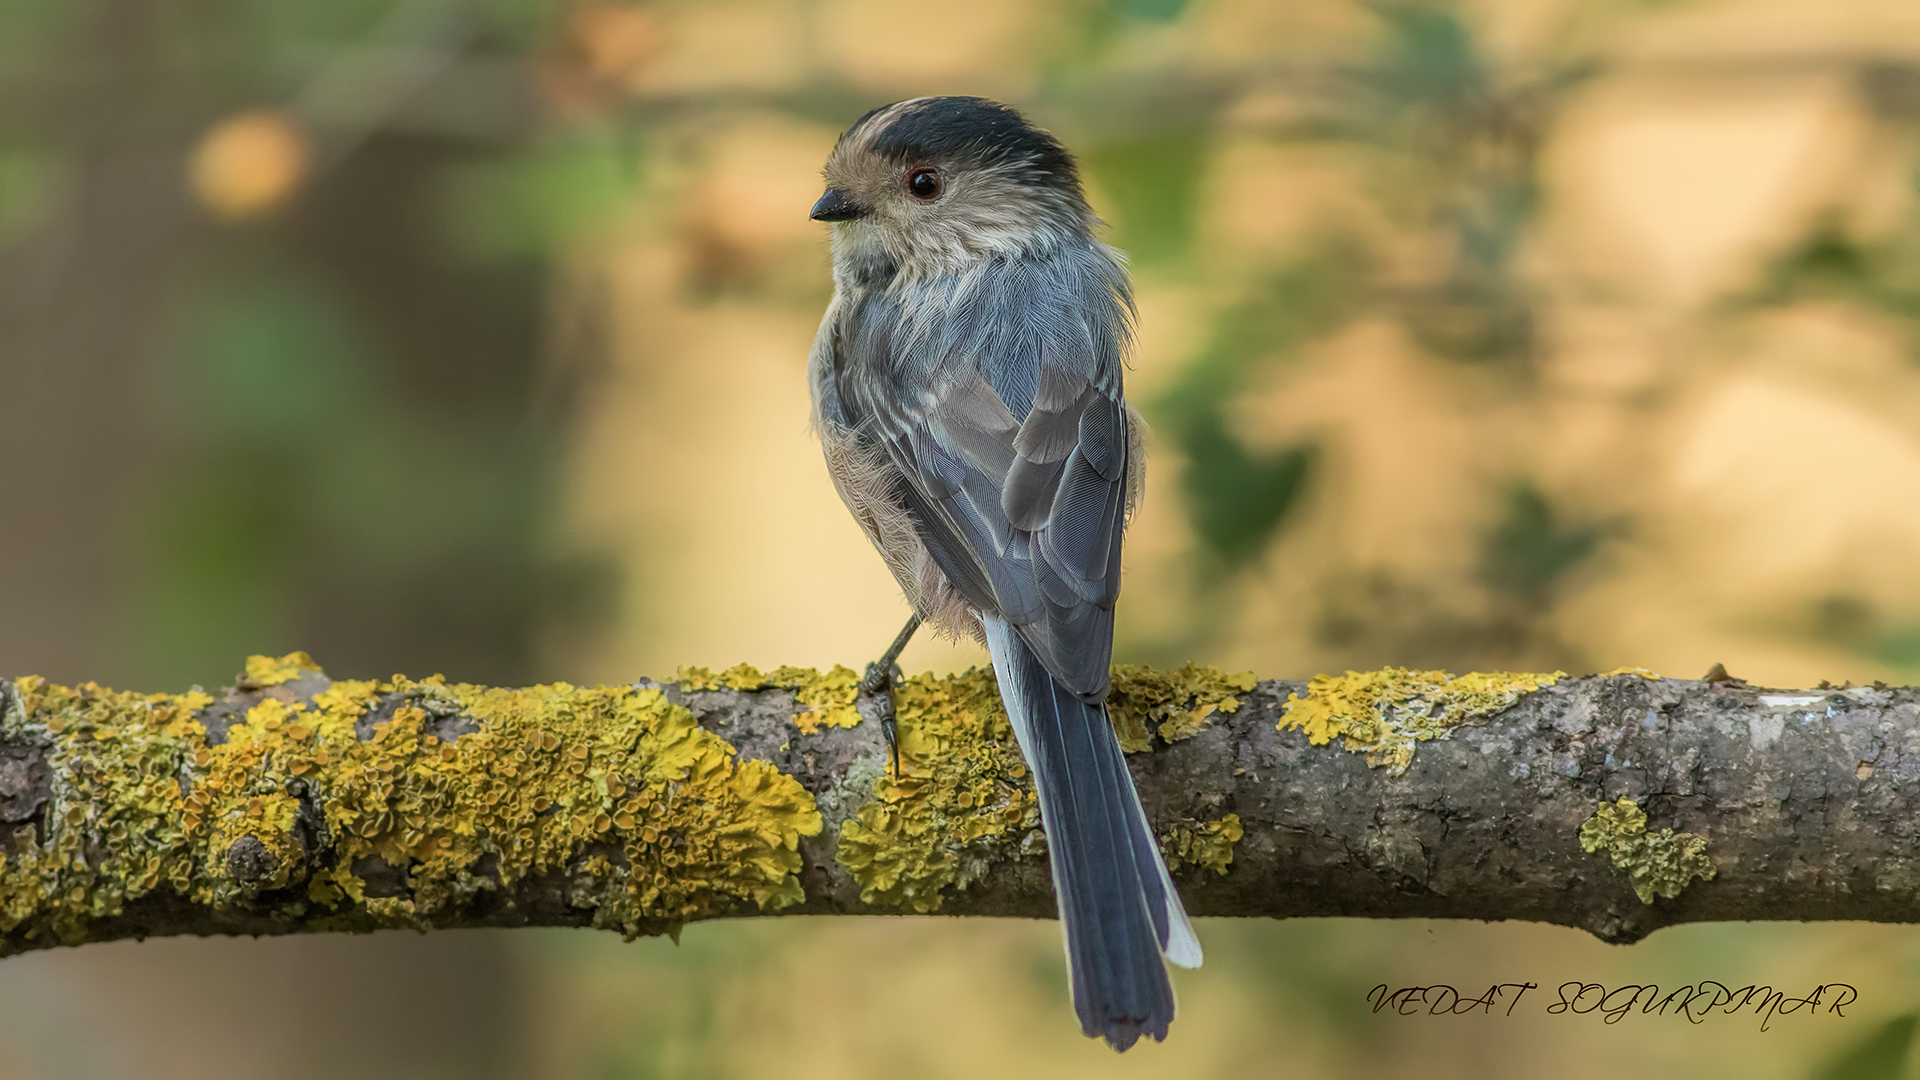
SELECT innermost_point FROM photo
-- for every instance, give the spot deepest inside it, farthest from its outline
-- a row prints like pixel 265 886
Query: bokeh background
pixel 468 336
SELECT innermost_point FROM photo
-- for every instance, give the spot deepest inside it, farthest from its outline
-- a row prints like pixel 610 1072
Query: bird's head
pixel 935 183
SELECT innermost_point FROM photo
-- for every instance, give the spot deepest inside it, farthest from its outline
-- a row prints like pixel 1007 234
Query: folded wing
pixel 998 397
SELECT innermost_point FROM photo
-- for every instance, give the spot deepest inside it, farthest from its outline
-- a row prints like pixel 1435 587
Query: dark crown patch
pixel 976 131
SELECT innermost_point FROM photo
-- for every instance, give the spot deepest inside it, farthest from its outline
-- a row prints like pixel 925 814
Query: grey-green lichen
pixel 652 820
pixel 1385 713
pixel 1658 864
pixel 963 794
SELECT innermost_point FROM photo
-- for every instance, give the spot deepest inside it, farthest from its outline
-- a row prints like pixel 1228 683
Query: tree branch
pixel 291 802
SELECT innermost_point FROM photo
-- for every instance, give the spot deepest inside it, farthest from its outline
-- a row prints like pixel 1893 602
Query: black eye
pixel 924 184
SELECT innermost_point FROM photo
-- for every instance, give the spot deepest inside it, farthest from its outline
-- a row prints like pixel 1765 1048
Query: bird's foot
pixel 875 701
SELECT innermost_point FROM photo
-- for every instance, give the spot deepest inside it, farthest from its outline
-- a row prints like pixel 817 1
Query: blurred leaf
pixel 1374 617
pixel 304 482
pixel 1294 304
pixel 267 359
pixel 270 374
pixel 282 31
pixel 28 181
pixel 1239 499
pixel 1846 621
pixel 1892 89
pixel 1150 10
pixel 1472 318
pixel 1529 550
pixel 1897 644
pixel 534 202
pixel 1881 1055
pixel 31 33
pixel 1154 181
pixel 1852 623
pixel 1826 262
pixel 219 572
pixel 1830 264
pixel 1091 33
pixel 1901 647
pixel 581 591
pixel 1428 62
pixel 1450 152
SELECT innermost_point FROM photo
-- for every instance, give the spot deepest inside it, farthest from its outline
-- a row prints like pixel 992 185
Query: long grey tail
pixel 1119 913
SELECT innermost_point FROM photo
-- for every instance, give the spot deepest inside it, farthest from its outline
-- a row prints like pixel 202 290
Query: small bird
pixel 966 386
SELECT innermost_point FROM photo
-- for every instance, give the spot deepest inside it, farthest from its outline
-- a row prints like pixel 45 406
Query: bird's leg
pixel 876 690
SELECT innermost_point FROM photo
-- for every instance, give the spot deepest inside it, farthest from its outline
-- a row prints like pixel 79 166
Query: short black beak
pixel 834 206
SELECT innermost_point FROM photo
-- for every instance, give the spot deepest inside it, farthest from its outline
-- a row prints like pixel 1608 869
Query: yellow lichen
pixel 1658 864
pixel 112 827
pixel 740 676
pixel 1201 843
pixel 963 786
pixel 1385 713
pixel 964 793
pixel 1640 671
pixel 272 671
pixel 426 793
pixel 1174 704
pixel 654 820
pixel 829 696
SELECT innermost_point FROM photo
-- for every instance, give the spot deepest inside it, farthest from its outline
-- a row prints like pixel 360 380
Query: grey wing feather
pixel 1009 425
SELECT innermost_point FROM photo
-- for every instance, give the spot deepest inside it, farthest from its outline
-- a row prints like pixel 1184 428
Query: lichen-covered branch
pixel 292 802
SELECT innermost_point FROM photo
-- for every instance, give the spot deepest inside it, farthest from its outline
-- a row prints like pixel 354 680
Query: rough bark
pixel 1806 800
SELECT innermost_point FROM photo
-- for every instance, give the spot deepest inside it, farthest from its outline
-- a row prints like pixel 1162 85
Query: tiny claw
pixel 877 690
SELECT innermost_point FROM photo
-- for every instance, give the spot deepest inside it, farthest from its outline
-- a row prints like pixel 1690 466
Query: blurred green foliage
pixel 552 195
pixel 1855 623
pixel 1830 263
pixel 1237 498
pixel 1881 1055
pixel 342 442
pixel 1451 145
pixel 28 181
pixel 340 400
pixel 1150 10
pixel 1446 143
pixel 1152 182
pixel 1447 148
pixel 1530 549
pixel 1835 259
pixel 305 483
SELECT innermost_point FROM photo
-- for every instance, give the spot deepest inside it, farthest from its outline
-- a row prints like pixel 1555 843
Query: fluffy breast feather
pixel 868 483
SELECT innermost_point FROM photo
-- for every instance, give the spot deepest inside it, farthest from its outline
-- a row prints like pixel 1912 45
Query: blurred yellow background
pixel 469 337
